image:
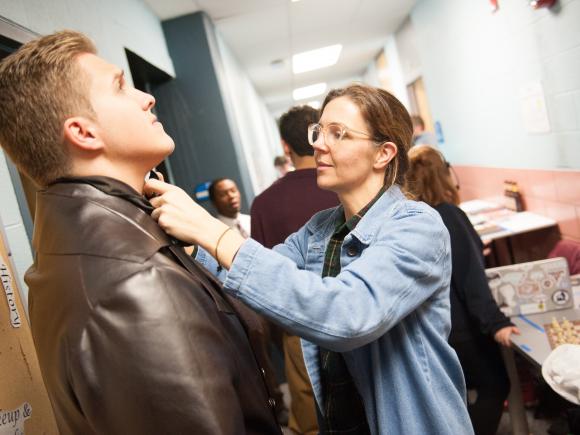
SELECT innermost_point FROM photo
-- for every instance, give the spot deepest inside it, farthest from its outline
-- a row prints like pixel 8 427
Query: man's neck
pixel 229 216
pixel 302 162
pixel 133 177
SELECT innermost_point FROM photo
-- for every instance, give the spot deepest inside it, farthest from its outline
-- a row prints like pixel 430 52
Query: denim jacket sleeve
pixel 288 249
pixel 406 262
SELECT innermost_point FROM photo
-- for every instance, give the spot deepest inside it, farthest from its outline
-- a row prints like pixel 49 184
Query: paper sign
pixel 10 297
pixel 12 420
pixel 202 191
pixel 534 112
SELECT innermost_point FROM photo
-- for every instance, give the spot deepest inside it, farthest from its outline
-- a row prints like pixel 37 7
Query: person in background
pixel 276 213
pixel 420 135
pixel 227 200
pixel 366 284
pixel 283 165
pixel 132 335
pixel 477 324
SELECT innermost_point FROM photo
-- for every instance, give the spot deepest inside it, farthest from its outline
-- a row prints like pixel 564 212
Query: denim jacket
pixel 387 311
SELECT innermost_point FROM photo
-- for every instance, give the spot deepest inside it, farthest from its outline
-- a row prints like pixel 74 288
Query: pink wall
pixel 550 193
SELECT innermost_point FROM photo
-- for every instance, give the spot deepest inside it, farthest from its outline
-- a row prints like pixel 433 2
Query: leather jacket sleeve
pixel 166 370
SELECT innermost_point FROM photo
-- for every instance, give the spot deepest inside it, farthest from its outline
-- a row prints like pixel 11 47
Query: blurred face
pixel 125 123
pixel 346 165
pixel 227 199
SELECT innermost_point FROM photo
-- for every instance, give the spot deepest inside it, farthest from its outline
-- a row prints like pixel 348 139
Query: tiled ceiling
pixel 259 32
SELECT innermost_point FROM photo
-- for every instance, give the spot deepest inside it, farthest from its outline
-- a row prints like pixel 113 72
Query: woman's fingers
pixel 159 175
pixel 157 201
pixel 154 188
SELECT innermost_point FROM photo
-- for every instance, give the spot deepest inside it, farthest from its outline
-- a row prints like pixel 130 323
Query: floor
pixel 536 426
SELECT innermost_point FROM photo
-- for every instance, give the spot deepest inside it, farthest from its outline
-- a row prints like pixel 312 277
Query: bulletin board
pixel 24 404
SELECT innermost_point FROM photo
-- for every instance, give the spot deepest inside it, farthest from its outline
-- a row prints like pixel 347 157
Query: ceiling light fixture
pixel 309 91
pixel 316 59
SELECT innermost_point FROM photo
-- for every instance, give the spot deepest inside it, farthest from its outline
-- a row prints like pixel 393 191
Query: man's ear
pixel 385 154
pixel 286 147
pixel 82 133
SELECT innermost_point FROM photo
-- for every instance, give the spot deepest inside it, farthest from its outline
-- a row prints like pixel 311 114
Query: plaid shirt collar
pixel 345 226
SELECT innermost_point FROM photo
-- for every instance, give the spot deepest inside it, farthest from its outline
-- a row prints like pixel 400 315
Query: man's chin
pixel 170 146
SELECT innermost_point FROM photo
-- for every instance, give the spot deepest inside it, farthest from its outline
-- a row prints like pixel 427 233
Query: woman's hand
pixel 486 248
pixel 179 216
pixel 503 335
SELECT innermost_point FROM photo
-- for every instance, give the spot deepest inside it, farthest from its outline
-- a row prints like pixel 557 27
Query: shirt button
pixel 351 251
pixel 272 402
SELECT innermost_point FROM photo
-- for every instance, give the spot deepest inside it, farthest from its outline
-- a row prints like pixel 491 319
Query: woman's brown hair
pixel 387 120
pixel 429 177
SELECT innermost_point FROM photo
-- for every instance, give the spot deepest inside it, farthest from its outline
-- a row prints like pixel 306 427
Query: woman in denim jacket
pixel 366 284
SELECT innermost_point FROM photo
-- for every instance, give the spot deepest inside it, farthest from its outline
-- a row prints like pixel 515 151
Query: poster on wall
pixel 24 404
pixel 12 420
pixel 533 104
pixel 6 278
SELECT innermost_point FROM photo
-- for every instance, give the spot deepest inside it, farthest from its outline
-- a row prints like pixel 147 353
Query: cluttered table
pixel 493 221
pixel 542 332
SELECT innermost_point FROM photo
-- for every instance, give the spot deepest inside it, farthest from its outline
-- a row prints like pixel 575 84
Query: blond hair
pixel 41 85
pixel 429 177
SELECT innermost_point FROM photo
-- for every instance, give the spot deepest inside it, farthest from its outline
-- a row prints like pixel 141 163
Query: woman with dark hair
pixel 365 284
pixel 476 321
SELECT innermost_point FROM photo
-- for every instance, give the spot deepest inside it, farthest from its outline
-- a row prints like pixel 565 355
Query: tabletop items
pixel 564 332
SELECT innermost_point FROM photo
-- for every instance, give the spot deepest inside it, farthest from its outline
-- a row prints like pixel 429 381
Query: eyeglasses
pixel 333 133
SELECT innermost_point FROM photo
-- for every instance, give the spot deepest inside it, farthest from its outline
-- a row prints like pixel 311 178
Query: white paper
pixel 10 297
pixel 533 105
pixel 12 420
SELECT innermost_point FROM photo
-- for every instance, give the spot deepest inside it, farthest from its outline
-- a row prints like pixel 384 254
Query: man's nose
pixel 148 100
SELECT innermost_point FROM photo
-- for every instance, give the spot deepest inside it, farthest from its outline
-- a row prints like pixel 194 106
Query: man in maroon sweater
pixel 278 212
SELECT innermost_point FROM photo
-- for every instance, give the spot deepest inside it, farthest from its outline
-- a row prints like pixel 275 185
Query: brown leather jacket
pixel 131 338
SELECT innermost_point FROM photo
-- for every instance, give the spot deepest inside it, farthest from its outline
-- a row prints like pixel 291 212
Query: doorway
pixel 12 36
pixel 419 102
pixel 146 78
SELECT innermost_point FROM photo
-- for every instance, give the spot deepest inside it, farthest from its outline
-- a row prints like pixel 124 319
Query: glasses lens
pixel 313 133
pixel 334 134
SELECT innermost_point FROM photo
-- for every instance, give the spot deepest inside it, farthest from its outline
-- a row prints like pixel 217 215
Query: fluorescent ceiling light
pixel 315 59
pixel 309 91
pixel 315 104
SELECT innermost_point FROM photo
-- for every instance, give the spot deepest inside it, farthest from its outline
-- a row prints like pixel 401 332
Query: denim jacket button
pixel 351 251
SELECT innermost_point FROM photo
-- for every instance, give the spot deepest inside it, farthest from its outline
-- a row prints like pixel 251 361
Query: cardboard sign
pixel 22 389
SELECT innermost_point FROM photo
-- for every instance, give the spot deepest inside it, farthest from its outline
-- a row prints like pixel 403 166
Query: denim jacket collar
pixel 367 228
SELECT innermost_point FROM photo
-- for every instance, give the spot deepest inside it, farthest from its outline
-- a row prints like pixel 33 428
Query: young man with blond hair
pixel 132 336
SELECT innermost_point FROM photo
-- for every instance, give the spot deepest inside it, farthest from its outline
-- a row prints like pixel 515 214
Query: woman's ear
pixel 82 134
pixel 385 153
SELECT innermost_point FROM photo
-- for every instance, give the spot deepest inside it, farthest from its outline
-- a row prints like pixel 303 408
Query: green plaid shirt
pixel 344 409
